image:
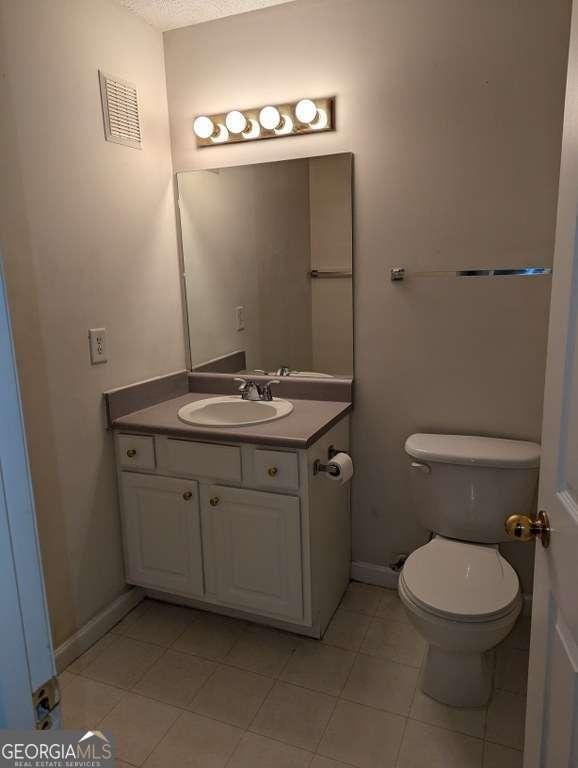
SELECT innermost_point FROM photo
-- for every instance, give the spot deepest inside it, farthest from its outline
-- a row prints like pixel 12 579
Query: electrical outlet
pixel 97 339
pixel 240 315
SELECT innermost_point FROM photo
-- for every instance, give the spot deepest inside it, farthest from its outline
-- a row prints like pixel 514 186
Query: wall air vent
pixel 120 111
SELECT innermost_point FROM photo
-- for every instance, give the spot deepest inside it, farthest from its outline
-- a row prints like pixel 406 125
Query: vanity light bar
pixel 271 121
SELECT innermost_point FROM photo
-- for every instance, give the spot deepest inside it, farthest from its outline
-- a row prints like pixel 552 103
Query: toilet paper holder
pixel 331 469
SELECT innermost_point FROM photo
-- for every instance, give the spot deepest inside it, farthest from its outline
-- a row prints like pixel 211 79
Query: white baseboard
pixel 380 575
pixel 98 626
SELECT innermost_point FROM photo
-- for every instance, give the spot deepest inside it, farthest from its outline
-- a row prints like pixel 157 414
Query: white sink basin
pixel 232 411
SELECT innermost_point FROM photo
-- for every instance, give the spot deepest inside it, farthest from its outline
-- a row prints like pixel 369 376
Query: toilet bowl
pixel 463 599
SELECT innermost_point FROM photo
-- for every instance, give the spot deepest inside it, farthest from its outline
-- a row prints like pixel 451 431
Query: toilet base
pixel 457 679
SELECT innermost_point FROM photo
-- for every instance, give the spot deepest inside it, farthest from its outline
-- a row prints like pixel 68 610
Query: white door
pixel 162 533
pixel 255 540
pixel 552 711
pixel 26 658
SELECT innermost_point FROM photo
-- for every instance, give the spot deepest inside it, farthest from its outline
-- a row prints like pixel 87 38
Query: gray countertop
pixel 301 428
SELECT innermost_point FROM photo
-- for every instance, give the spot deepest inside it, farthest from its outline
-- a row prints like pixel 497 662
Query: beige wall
pixel 453 110
pixel 88 236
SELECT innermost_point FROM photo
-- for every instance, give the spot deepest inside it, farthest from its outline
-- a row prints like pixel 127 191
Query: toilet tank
pixel 464 487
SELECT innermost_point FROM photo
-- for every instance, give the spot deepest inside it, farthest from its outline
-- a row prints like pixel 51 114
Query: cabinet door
pixel 162 533
pixel 256 546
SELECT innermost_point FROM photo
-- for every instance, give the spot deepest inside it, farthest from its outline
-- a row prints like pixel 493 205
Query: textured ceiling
pixel 170 14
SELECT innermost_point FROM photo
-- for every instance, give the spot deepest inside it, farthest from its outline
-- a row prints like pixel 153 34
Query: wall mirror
pixel 267 262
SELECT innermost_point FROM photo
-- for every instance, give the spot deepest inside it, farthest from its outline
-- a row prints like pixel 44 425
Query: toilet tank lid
pixel 472 450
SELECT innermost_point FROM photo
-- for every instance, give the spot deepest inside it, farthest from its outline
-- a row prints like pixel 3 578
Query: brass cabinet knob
pixel 272 471
pixel 214 501
pixel 131 453
pixel 524 528
pixel 187 495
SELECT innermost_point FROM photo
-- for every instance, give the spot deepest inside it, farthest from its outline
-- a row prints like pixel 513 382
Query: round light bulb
pixel 203 127
pixel 270 118
pixel 305 111
pixel 221 134
pixel 236 121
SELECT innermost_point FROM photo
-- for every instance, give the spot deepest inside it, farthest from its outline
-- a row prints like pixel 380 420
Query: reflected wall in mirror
pixel 267 252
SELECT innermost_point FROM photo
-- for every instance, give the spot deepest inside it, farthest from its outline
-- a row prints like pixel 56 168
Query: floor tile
pixel 326 762
pixel 363 598
pixel 65 678
pixel 175 678
pixel 362 736
pixel 210 636
pixel 161 624
pixel 195 742
pixel 123 662
pixel 425 746
pixel 318 666
pixel 505 723
pixel 294 715
pixel 137 725
pixel 382 684
pixel 394 640
pixel 346 629
pixel 232 695
pixel 263 650
pixel 390 607
pixel 130 618
pixel 496 756
pixel 471 722
pixel 256 751
pixel 82 662
pixel 512 670
pixel 85 702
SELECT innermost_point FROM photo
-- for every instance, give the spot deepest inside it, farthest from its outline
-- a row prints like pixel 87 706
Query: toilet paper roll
pixel 345 465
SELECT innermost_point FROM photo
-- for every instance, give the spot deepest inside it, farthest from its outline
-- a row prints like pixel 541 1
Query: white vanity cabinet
pixel 162 532
pixel 246 530
pixel 254 540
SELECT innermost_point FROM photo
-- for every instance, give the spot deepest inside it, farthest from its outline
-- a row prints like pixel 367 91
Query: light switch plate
pixel 240 316
pixel 97 339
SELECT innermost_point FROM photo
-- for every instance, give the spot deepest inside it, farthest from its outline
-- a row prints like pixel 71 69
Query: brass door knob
pixel 187 495
pixel 131 453
pixel 272 471
pixel 214 501
pixel 527 529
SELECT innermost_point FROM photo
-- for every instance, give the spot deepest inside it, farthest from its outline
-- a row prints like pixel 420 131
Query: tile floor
pixel 180 687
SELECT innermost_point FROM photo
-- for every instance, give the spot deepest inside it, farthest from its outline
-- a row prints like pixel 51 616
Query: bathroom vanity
pixel 237 520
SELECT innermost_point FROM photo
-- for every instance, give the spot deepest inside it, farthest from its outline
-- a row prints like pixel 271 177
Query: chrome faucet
pixel 284 370
pixel 250 390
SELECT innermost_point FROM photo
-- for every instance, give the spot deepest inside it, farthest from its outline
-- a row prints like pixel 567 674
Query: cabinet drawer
pixel 136 451
pixel 219 462
pixel 276 469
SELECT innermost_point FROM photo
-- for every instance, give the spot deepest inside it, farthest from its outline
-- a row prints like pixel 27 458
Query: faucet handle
pixel 266 389
pixel 244 383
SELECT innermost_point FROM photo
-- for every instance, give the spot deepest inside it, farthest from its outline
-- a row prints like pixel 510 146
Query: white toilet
pixel 462 596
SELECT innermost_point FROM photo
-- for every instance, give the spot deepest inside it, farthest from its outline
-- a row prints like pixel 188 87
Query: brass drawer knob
pixel 131 453
pixel 187 495
pixel 214 501
pixel 272 471
pixel 524 528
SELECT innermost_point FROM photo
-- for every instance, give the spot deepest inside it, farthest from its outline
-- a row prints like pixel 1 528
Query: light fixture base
pixel 325 106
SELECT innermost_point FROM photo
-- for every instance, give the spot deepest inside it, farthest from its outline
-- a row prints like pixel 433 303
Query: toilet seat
pixel 460 581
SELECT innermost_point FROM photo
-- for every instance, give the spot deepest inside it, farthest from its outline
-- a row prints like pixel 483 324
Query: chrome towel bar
pixel 397 274
pixel 323 273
